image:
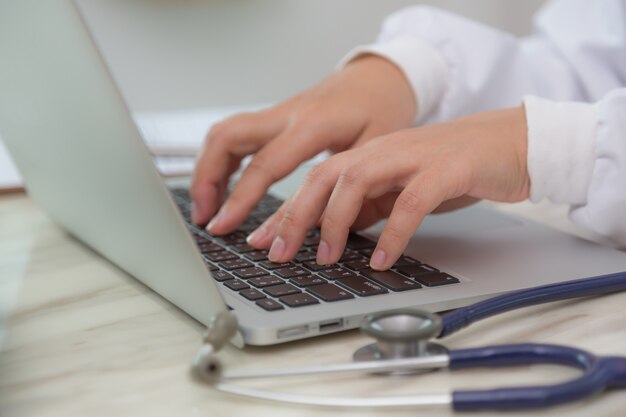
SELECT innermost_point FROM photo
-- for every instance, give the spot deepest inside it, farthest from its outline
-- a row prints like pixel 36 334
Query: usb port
pixel 329 325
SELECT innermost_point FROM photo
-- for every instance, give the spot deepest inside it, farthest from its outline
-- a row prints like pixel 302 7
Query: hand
pixel 405 175
pixel 369 97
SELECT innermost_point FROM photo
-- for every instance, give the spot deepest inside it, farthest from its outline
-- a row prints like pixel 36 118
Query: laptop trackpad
pixel 472 221
pixel 475 220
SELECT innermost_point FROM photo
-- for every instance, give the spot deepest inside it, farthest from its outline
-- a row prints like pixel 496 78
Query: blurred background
pixel 225 56
pixel 175 54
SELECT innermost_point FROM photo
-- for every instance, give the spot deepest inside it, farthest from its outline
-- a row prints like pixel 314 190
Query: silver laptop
pixel 83 161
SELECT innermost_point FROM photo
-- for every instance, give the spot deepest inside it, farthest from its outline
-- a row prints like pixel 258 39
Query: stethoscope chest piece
pixel 401 334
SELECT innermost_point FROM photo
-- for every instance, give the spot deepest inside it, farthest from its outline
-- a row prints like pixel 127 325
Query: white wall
pixel 170 54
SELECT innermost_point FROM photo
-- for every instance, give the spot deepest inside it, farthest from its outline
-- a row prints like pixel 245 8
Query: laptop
pixel 84 162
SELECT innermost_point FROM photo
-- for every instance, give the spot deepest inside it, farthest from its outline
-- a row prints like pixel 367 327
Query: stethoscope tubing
pixel 599 373
pixel 464 316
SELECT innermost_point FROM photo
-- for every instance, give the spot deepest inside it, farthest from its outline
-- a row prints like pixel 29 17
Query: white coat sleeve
pixel 457 66
pixel 575 60
pixel 577 156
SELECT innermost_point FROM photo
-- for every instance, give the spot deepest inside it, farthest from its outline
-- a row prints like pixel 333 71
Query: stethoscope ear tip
pixel 206 367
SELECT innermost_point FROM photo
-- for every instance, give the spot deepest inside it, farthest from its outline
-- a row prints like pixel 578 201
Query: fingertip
pixel 277 250
pixel 204 199
pixel 227 219
pixel 323 256
pixel 379 260
pixel 196 216
pixel 260 238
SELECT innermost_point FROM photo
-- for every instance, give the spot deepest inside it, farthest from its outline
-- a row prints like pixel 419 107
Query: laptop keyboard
pixel 302 282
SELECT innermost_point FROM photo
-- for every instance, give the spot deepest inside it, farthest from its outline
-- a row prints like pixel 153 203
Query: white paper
pixel 173 137
pixel 183 130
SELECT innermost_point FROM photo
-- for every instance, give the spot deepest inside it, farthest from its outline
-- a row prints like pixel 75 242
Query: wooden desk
pixel 82 338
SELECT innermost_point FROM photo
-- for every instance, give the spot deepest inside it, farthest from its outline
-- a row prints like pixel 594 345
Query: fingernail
pixel 219 218
pixel 277 250
pixel 257 236
pixel 323 253
pixel 378 259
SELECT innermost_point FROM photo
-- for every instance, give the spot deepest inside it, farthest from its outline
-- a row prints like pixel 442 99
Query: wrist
pixel 422 65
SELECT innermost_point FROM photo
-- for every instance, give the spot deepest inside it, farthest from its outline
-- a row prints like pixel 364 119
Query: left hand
pixel 403 176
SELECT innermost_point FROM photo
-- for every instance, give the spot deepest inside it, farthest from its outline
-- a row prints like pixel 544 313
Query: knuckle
pixel 394 233
pixel 220 132
pixel 308 120
pixel 289 219
pixel 409 201
pixel 350 176
pixel 318 173
pixel 331 225
pixel 259 165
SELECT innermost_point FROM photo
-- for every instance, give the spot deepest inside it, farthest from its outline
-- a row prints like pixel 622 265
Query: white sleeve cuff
pixel 561 153
pixel 422 65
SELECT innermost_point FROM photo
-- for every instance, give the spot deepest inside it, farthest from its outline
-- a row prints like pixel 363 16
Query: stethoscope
pixel 403 346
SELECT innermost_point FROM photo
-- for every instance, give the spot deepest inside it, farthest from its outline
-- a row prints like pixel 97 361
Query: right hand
pixel 369 97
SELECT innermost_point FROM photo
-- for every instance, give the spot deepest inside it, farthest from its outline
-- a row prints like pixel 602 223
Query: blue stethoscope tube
pixel 598 373
pixel 586 287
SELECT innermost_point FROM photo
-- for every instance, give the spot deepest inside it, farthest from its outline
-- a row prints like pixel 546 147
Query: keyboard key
pixel 252 294
pixel 220 256
pixel 299 300
pixel 220 275
pixel 361 286
pixel 350 255
pixel 232 238
pixel 237 263
pixel 280 290
pixel 305 256
pixel 257 255
pixel 311 241
pixel 436 279
pixel 367 252
pixel 415 271
pixel 391 280
pixel 337 272
pixel 212 267
pixel 209 247
pixel 236 284
pixel 242 247
pixel 292 271
pixel 307 281
pixel 405 261
pixel 271 265
pixel 358 264
pixel 359 242
pixel 200 240
pixel 330 292
pixel 314 266
pixel 266 281
pixel 248 226
pixel 269 304
pixel 252 272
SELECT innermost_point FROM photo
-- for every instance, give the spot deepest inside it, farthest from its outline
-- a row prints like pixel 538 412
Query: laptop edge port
pixel 330 325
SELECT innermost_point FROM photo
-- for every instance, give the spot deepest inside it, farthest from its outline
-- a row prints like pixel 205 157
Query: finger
pixel 374 210
pixel 456 203
pixel 305 208
pixel 420 197
pixel 262 236
pixel 368 177
pixel 227 142
pixel 272 163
